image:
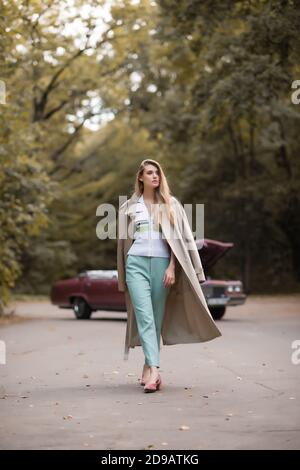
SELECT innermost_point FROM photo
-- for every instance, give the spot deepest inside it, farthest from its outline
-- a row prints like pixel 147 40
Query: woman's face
pixel 150 177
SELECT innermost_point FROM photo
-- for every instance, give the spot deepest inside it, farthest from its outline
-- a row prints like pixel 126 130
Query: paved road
pixel 66 386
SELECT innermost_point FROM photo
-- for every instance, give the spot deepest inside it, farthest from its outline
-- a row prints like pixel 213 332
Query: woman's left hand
pixel 169 277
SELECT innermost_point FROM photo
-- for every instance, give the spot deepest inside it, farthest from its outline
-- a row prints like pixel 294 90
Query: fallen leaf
pixel 68 417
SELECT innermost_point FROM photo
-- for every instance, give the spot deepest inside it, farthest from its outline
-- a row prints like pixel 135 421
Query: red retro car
pixel 98 290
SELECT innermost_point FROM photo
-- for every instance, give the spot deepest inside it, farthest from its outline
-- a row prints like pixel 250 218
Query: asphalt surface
pixel 65 384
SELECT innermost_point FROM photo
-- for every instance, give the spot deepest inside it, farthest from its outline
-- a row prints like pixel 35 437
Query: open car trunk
pixel 211 251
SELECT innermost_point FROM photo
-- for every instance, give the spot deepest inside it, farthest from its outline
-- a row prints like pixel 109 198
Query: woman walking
pixel 159 270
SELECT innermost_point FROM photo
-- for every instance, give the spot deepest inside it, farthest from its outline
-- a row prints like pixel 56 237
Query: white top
pixel 147 236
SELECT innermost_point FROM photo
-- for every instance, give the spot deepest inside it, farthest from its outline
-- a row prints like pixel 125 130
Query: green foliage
pixel 202 86
pixel 228 128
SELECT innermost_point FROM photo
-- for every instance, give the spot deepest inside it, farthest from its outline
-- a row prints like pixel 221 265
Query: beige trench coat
pixel 187 318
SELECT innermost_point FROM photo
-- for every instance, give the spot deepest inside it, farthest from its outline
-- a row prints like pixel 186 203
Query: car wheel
pixel 217 312
pixel 81 309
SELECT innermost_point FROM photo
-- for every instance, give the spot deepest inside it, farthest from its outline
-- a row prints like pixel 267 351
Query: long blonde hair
pixel 162 193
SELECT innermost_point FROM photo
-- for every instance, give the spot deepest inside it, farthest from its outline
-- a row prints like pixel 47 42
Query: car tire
pixel 217 312
pixel 81 309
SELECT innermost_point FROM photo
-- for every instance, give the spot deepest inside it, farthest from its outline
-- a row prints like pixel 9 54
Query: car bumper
pixel 225 301
pixel 240 300
pixel 217 302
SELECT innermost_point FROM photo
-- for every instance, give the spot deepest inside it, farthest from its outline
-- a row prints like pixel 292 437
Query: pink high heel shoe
pixel 150 388
pixel 142 382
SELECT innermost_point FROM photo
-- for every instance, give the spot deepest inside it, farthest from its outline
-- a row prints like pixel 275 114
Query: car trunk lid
pixel 211 251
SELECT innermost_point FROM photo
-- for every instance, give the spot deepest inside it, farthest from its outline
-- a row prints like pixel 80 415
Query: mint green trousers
pixel 144 279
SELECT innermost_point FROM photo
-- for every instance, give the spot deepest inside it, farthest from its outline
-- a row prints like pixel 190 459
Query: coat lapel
pixel 131 205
